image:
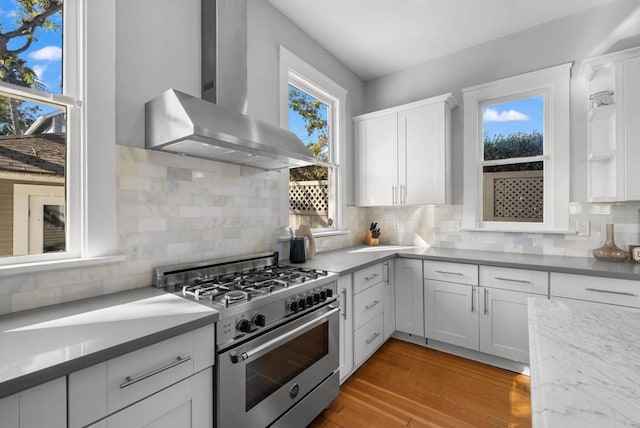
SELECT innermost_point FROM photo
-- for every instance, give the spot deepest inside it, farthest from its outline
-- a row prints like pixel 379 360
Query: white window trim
pixel 90 171
pixel 292 68
pixel 554 83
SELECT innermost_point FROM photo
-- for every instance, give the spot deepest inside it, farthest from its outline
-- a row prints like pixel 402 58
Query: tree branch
pixel 26 29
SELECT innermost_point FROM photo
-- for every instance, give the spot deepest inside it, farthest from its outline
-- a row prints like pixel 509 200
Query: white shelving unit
pixel 613 129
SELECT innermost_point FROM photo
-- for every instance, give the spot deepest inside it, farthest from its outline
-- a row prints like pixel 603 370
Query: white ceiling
pixel 377 37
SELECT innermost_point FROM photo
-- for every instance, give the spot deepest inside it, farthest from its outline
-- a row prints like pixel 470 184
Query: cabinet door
pixel 44 405
pixel 408 296
pixel 422 155
pixel 187 404
pixel 389 299
pixel 504 325
pixel 345 288
pixel 451 313
pixel 377 161
pixel 632 127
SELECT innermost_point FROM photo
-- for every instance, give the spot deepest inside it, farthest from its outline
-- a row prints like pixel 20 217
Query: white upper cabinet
pixel 613 128
pixel 403 154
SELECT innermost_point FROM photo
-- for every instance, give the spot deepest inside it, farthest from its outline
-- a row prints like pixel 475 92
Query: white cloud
pixel 492 115
pixel 39 69
pixel 47 53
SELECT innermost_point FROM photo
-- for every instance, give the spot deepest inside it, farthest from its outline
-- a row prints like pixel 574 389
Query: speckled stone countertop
pixel 43 344
pixel 349 259
pixel 585 364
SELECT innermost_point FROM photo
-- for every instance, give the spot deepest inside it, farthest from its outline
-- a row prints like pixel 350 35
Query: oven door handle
pixel 238 357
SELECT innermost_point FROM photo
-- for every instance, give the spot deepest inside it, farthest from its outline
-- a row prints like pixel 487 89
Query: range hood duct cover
pixel 180 123
pixel 217 129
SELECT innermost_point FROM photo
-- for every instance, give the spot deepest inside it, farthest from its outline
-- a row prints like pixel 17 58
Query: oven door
pixel 259 380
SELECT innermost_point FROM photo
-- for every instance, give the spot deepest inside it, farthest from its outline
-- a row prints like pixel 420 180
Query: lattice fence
pixel 309 203
pixel 309 196
pixel 514 196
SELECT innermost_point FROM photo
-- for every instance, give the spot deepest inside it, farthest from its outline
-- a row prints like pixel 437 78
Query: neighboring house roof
pixel 53 122
pixel 42 154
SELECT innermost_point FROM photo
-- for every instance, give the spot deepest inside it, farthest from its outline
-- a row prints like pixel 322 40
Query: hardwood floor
pixel 406 385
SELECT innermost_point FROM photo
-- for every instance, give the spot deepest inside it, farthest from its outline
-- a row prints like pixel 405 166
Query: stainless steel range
pixel 276 339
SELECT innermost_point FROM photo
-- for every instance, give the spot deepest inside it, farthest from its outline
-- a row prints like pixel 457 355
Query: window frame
pixel 90 180
pixel 302 75
pixel 554 84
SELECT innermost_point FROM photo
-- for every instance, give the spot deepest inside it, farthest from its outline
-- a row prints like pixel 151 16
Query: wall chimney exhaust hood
pixel 186 125
pixel 215 127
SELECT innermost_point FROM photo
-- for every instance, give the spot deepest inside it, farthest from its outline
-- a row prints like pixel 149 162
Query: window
pixel 55 160
pixel 312 107
pixel 516 159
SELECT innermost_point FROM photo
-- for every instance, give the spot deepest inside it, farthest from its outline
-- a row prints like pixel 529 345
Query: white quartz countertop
pixel 43 344
pixel 585 364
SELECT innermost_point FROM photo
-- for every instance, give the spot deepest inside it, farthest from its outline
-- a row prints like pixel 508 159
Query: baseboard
pixel 470 354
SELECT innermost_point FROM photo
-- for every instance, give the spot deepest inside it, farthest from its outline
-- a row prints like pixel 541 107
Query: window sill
pixel 319 234
pixel 9 270
pixel 506 230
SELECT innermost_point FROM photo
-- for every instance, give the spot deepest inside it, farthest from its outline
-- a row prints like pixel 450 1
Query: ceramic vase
pixel 609 251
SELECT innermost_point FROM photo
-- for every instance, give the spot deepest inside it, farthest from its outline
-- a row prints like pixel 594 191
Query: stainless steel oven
pixel 276 337
pixel 282 373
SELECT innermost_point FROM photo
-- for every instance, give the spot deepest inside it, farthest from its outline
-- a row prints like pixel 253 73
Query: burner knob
pixel 293 306
pixel 244 325
pixel 309 300
pixel 323 295
pixel 316 298
pixel 259 320
pixel 302 304
pixel 329 292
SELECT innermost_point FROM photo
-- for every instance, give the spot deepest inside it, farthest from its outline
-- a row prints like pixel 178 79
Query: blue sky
pixel 524 115
pixel 298 126
pixel 44 56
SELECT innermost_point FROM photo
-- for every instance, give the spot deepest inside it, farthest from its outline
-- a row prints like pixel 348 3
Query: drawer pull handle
pixel 620 293
pixel 486 301
pixel 473 298
pixel 372 338
pixel 369 278
pixel 344 303
pixel 444 272
pixel 375 302
pixel 131 380
pixel 520 281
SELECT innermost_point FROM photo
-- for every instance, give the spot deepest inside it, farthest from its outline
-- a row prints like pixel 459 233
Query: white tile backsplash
pixel 176 209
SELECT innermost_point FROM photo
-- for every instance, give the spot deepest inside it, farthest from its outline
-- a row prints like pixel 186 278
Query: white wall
pixel 268 29
pixel 157 48
pixel 594 32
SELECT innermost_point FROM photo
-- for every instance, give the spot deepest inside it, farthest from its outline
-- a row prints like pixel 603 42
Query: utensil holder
pixel 370 240
pixel 297 253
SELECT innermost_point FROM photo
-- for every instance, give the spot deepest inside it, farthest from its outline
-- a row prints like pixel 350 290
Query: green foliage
pixel 516 145
pixel 309 108
pixel 15 114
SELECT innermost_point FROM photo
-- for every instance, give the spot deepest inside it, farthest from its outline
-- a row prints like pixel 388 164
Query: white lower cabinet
pixel 41 406
pixel 486 313
pixel 369 301
pixel 451 314
pixel 612 291
pixel 409 302
pixel 504 326
pixel 167 384
pixel 389 299
pixel 345 289
pixel 186 404
pixel 367 339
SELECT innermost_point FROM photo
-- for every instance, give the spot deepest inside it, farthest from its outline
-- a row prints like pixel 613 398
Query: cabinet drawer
pixel 623 292
pixel 139 374
pixel 529 281
pixel 367 305
pixel 461 273
pixel 367 339
pixel 365 278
